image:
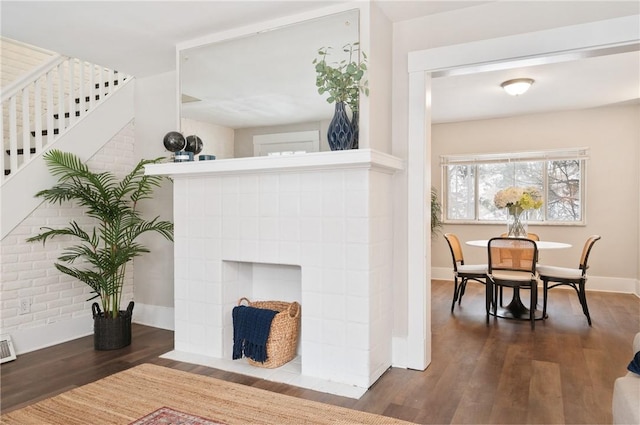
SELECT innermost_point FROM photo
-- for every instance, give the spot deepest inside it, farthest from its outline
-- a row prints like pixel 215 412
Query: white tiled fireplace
pixel 322 222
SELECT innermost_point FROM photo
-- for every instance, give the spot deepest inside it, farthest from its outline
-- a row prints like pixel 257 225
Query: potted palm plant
pixel 343 82
pixel 107 246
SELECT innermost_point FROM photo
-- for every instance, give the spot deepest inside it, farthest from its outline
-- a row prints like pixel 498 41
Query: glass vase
pixel 516 223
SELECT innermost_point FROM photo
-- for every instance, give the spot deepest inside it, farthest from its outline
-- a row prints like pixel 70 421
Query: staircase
pixel 67 104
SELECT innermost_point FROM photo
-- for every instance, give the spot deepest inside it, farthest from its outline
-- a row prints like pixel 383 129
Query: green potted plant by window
pixel 436 213
pixel 343 81
pixel 107 246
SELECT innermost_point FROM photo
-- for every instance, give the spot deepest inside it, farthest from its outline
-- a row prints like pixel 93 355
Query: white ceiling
pixel 139 38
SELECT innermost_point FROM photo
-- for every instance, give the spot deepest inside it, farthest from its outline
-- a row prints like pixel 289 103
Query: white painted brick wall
pixel 27 268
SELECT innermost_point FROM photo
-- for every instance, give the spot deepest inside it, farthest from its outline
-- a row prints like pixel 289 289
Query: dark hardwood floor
pixel 563 372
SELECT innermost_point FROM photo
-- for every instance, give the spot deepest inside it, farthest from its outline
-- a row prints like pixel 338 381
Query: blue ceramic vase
pixel 340 131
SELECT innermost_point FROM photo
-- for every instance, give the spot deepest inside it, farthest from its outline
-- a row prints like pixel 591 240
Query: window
pixel 471 181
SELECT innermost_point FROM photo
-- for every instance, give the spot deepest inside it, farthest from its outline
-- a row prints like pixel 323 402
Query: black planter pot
pixel 111 333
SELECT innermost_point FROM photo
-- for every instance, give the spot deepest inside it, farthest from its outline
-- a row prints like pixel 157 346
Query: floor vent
pixel 7 353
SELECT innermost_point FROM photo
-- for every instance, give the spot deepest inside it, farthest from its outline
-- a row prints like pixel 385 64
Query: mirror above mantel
pixel 260 83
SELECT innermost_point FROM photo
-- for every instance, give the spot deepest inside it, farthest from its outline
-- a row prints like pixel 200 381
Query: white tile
pixel 310 204
pixel 334 333
pixel 181 291
pixel 333 230
pixel 289 252
pixel 180 310
pixel 311 254
pixel 248 184
pixel 248 205
pixel 249 250
pixel 268 228
pixel 268 204
pixel 312 304
pixel 311 278
pixel 195 248
pixel 334 307
pixel 197 313
pixel 333 281
pixel 334 256
pixel 197 291
pixel 248 227
pixel 289 204
pixel 289 229
pixel 357 230
pixel 231 227
pixel 356 180
pixel 333 204
pixel 289 182
pixel 268 183
pixel 230 184
pixel 357 204
pixel 311 229
pixel 357 336
pixel 358 310
pixel 357 283
pixel 268 251
pixel 357 256
pixel 212 205
pixel 312 328
pixel 196 270
pixel 311 181
pixel 230 204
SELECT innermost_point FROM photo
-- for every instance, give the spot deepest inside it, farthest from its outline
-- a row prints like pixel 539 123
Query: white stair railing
pixel 44 104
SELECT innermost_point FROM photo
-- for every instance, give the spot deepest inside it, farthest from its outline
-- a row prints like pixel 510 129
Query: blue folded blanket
pixel 634 366
pixel 251 328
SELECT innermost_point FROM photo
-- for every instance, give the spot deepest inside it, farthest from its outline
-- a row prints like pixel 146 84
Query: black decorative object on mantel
pixel 194 144
pixel 340 130
pixel 174 141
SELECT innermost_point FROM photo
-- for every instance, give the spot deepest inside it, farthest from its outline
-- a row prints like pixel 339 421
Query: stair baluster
pixel 38 109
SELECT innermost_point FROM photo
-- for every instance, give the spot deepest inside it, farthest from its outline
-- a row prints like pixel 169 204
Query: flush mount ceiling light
pixel 517 86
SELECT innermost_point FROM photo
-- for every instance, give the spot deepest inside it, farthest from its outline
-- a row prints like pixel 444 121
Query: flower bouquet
pixel 517 200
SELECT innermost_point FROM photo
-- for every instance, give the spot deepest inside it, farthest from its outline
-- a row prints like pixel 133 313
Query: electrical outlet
pixel 25 305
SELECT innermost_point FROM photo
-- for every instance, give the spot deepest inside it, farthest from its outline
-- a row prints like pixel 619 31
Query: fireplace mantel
pixel 325 217
pixel 356 158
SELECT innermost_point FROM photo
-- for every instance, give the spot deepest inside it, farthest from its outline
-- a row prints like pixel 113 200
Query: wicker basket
pixel 283 336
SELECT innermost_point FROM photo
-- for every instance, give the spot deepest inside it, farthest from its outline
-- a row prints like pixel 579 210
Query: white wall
pixel 612 136
pixel 244 136
pixel 216 140
pixel 156 115
pixel 59 309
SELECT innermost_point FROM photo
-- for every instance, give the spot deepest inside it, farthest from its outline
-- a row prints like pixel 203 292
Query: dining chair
pixel 505 255
pixel 517 271
pixel 575 278
pixel 461 271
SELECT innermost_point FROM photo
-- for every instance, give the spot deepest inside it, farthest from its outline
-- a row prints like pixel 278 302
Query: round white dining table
pixel 515 309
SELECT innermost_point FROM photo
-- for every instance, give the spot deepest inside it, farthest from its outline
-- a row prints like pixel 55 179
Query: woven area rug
pixel 133 396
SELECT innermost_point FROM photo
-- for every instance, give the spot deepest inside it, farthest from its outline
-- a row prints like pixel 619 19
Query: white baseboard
pixel 595 283
pixel 31 339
